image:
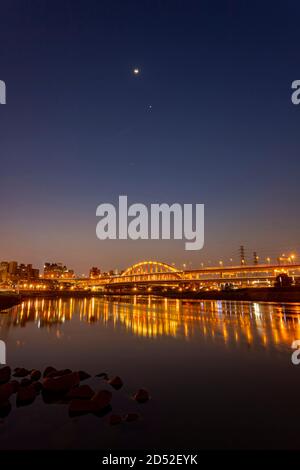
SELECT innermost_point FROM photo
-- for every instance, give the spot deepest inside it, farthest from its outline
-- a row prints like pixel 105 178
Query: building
pixel 14 272
pixel 4 265
pixel 95 273
pixel 13 267
pixel 26 272
pixel 4 271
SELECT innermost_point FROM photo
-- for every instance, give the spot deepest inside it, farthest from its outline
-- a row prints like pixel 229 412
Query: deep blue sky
pixel 77 129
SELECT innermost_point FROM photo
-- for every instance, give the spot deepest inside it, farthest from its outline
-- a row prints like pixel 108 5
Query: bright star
pixel 136 71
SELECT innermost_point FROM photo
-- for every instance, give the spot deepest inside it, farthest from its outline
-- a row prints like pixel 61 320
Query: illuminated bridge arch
pixel 151 267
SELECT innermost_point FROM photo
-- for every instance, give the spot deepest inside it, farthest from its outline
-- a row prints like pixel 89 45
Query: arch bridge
pixel 148 271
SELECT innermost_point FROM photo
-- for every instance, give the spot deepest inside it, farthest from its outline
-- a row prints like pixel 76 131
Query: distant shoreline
pixel 265 294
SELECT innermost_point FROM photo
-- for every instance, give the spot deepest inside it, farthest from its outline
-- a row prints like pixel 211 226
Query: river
pixel 219 373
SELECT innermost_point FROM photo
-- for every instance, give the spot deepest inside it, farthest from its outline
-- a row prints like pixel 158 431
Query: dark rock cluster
pixel 63 386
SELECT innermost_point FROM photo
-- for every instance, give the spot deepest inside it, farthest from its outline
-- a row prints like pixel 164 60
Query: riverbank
pixel 263 294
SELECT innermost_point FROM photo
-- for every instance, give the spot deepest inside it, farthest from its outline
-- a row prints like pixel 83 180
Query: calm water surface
pixel 219 373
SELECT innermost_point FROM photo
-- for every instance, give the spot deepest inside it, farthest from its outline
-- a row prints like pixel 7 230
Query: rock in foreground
pixel 62 383
pixel 35 375
pixel 5 373
pixel 130 417
pixel 6 390
pixel 26 395
pixel 98 403
pixel 141 396
pixel 20 372
pixel 116 382
pixel 83 375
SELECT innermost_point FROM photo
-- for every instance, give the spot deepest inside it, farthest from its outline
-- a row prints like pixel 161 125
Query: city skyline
pixel 242 257
pixel 208 119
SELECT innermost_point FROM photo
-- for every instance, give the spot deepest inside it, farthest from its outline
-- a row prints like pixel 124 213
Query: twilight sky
pixel 78 129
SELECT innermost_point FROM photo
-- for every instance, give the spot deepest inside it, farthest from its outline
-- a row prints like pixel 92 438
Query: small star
pixel 136 71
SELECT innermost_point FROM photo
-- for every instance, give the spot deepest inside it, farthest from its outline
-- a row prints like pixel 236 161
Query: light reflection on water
pixel 265 324
pixel 220 370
